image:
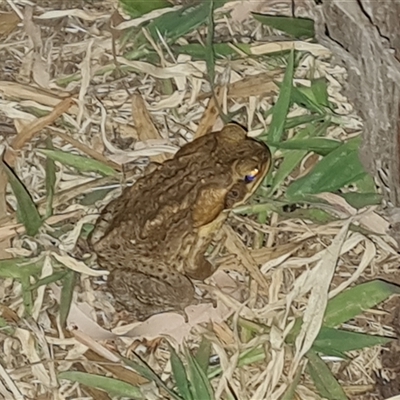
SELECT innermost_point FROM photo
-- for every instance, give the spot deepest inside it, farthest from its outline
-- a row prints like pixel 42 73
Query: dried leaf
pixel 144 125
pixel 211 113
pixel 8 22
pixel 29 132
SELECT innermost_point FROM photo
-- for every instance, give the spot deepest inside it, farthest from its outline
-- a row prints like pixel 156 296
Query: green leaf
pixel 365 185
pixel 320 146
pixel 137 8
pixel 180 376
pixel 27 211
pixel 175 24
pixel 291 159
pixel 68 285
pixel 82 164
pixel 5 328
pixel 339 168
pixel 297 27
pixel 144 370
pixel 302 120
pixel 200 385
pixel 315 215
pixel 291 390
pixel 54 277
pixel 50 180
pixel 22 269
pixel 281 107
pixel 319 88
pixel 360 200
pixel 114 387
pixel 27 297
pixel 332 341
pixel 325 383
pixel 305 97
pixel 248 357
pixel 203 354
pixel 17 268
pixel 210 56
pixel 356 300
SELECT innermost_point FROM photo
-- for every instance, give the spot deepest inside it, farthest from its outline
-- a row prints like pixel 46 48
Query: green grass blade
pixel 27 211
pixel 291 159
pixel 319 88
pixel 27 297
pixel 114 387
pixel 210 55
pixel 5 328
pixel 312 214
pixel 321 146
pixel 67 291
pixel 331 341
pixel 137 8
pixel 248 357
pixel 175 24
pixel 50 180
pixel 144 370
pixel 366 185
pixel 17 268
pixel 203 354
pixel 361 200
pixel 326 384
pixel 200 385
pixel 297 27
pixel 339 168
pixel 356 300
pixel 56 276
pixel 302 120
pixel 180 376
pixel 290 391
pixel 281 108
pixel 304 97
pixel 82 164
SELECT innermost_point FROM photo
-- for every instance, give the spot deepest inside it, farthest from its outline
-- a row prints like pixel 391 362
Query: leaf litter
pixel 63 84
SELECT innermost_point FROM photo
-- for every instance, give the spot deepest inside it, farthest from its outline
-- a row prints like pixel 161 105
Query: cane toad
pixel 154 236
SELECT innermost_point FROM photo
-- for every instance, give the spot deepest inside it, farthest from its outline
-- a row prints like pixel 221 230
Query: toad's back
pixel 161 227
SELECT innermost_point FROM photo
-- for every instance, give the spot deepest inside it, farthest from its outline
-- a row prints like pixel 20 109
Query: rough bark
pixel 364 35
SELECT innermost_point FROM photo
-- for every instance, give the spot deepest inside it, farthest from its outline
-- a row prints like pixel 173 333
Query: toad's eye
pixel 253 174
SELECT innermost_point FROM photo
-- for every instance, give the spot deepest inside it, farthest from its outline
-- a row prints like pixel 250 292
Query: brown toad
pixel 154 236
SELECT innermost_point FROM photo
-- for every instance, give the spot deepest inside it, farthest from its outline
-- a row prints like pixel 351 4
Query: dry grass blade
pixel 8 22
pixel 30 131
pixel 11 386
pixel 144 124
pixel 234 245
pixel 255 85
pixel 318 283
pixel 12 229
pixel 211 113
pixel 86 150
pixel 22 92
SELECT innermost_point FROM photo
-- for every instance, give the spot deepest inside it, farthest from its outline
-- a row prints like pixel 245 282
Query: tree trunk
pixel 364 35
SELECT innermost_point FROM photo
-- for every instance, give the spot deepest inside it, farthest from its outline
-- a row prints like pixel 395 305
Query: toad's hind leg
pixel 143 295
